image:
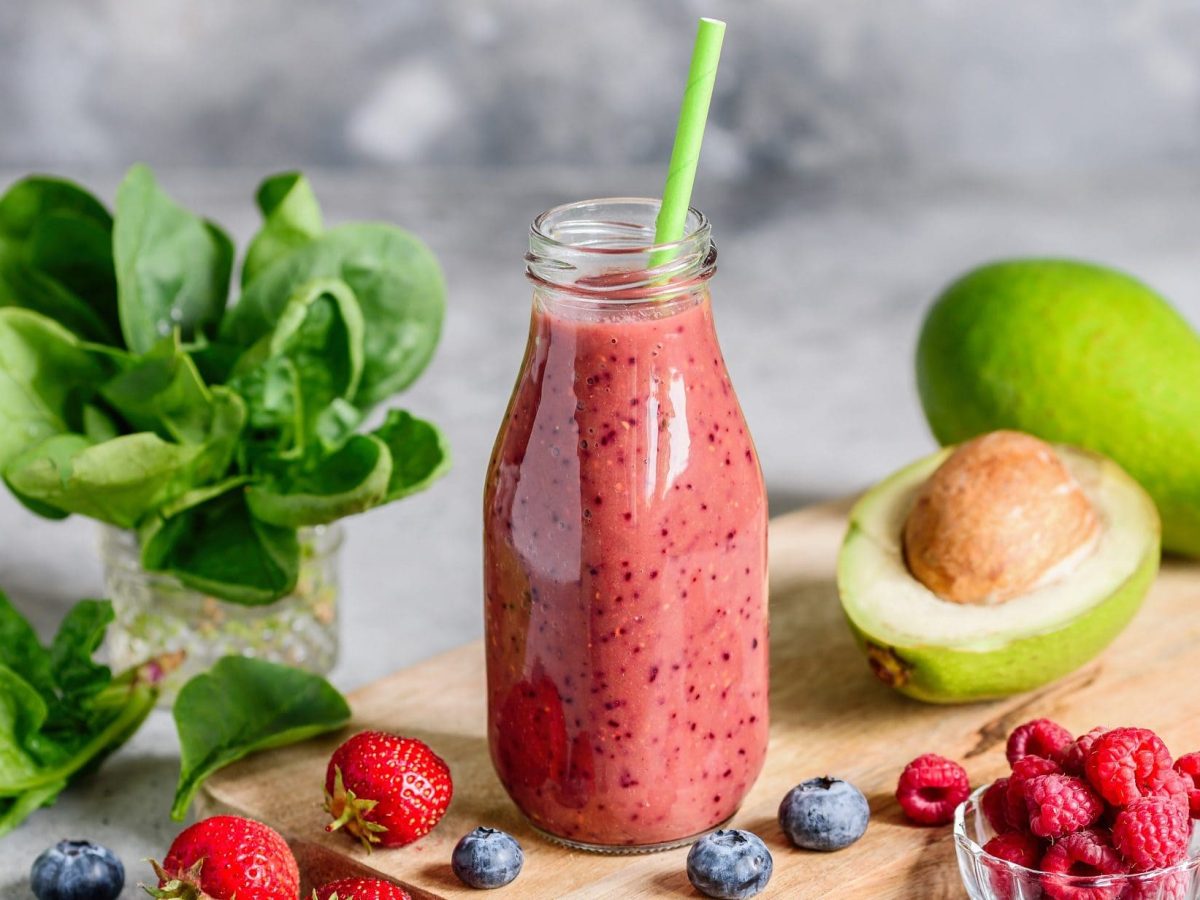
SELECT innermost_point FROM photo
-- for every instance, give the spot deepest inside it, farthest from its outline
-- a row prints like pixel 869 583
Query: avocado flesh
pixel 944 652
pixel 1073 353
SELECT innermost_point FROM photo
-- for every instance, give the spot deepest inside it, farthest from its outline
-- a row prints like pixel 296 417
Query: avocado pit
pixel 1001 516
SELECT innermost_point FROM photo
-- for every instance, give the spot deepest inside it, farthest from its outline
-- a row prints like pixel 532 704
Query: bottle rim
pixel 604 249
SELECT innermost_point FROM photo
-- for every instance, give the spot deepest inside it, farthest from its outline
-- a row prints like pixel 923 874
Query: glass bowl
pixel 988 877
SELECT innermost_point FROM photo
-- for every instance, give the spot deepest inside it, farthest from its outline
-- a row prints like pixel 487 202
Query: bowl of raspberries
pixel 1108 815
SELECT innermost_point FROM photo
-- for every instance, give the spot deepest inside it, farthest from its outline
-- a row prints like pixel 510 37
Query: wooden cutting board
pixel 829 716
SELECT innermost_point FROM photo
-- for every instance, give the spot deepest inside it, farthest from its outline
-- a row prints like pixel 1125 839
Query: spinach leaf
pixel 347 481
pixel 31 199
pixel 77 253
pixel 37 507
pixel 162 391
pixel 199 495
pixel 98 425
pixel 46 375
pixel 56 255
pixel 275 413
pixel 312 358
pixel 78 638
pixel 60 712
pixel 23 286
pixel 214 359
pixel 241 706
pixel 15 810
pixel 63 675
pixel 112 717
pixel 172 267
pixel 395 279
pixel 219 547
pixel 117 481
pixel 335 424
pixel 20 650
pixel 291 216
pixel 224 434
pixel 420 454
pixel 403 456
pixel 22 714
pixel 321 330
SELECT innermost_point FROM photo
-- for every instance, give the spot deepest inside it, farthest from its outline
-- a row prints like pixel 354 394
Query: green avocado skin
pixel 943 675
pixel 1074 353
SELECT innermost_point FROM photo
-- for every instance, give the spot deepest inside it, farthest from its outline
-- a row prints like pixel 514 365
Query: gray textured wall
pixel 1000 86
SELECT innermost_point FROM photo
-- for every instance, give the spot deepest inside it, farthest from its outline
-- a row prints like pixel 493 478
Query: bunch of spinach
pixel 60 712
pixel 133 392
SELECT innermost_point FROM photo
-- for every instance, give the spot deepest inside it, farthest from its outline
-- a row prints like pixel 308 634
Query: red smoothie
pixel 625 576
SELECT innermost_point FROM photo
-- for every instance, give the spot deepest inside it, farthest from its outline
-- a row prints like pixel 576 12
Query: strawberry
pixel 227 857
pixel 387 790
pixel 532 746
pixel 361 889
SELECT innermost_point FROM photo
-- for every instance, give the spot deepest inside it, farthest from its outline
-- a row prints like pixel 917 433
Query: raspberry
pixel 1076 753
pixel 1041 737
pixel 1173 786
pixel 1188 766
pixel 1163 886
pixel 995 805
pixel 1080 855
pixel 930 787
pixel 1127 764
pixel 1060 805
pixel 1152 833
pixel 1016 847
pixel 1024 769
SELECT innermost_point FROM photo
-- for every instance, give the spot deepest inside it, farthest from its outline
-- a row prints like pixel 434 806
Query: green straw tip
pixel 689 133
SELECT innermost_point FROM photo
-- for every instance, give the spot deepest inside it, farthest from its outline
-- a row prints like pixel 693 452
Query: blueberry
pixel 77 870
pixel 824 814
pixel 487 858
pixel 729 865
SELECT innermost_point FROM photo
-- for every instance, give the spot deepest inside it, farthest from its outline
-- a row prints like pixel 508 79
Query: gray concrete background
pixel 862 155
pixel 1010 86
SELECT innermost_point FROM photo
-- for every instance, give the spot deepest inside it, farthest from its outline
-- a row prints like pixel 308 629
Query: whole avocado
pixel 1074 353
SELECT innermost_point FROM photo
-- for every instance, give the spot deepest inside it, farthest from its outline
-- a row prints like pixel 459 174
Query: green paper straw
pixel 689 134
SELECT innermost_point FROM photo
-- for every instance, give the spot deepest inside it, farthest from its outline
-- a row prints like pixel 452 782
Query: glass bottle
pixel 625 545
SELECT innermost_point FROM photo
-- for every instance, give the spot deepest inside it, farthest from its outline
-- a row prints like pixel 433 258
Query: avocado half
pixel 943 652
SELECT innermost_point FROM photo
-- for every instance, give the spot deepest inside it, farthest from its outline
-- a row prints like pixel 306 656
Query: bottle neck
pixel 598 258
pixel 570 305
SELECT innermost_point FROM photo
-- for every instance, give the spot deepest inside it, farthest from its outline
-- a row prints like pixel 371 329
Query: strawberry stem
pixel 183 886
pixel 350 813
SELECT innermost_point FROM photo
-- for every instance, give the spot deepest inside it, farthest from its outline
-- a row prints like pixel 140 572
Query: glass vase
pixel 156 614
